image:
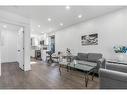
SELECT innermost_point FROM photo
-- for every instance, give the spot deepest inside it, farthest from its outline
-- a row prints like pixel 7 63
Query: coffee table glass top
pixel 81 66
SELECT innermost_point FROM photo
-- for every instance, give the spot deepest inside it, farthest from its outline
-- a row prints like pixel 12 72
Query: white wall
pixel 9 46
pixel 111 29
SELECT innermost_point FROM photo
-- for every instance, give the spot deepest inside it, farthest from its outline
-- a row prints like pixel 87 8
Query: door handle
pixel 18 50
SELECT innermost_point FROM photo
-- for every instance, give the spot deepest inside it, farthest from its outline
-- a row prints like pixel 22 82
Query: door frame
pixel 17 44
pixel 5 18
pixel 22 39
pixel 23 48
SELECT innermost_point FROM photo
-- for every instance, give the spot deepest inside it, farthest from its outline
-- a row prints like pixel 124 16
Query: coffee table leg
pixel 60 69
pixel 86 79
pixel 93 75
pixel 67 69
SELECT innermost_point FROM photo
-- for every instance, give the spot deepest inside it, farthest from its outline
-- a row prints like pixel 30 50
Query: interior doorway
pixel 12 44
pixel 52 43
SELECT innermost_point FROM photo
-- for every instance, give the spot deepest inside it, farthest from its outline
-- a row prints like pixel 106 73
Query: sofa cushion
pixel 94 57
pixel 82 56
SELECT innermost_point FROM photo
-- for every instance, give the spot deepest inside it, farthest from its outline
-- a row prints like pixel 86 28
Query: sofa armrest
pixel 101 63
pixel 110 79
pixel 116 67
pixel 116 75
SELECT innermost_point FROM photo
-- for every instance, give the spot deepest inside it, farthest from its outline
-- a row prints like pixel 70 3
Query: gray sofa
pixel 113 76
pixel 89 58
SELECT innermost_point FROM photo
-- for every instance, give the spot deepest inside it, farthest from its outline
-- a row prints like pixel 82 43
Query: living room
pixel 97 37
pixel 72 47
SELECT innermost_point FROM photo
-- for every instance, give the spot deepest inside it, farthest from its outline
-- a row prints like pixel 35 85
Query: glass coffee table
pixel 86 68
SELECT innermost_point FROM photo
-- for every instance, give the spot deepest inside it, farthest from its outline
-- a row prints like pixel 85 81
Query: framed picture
pixel 91 39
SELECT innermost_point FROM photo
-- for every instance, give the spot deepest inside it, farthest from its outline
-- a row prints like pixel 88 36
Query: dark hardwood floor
pixel 43 76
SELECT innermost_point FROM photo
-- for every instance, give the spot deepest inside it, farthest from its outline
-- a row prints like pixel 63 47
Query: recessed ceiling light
pixel 39 26
pixel 42 32
pixel 80 16
pixel 67 7
pixel 61 24
pixel 4 26
pixel 49 19
pixel 32 29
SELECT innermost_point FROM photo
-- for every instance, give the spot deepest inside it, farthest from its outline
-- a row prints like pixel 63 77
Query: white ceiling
pixel 39 15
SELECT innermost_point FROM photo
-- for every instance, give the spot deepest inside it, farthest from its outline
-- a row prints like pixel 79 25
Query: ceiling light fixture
pixel 4 26
pixel 67 7
pixel 80 16
pixel 61 24
pixel 39 26
pixel 32 29
pixel 49 19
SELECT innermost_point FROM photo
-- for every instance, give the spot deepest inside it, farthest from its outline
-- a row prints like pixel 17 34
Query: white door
pixel 20 49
